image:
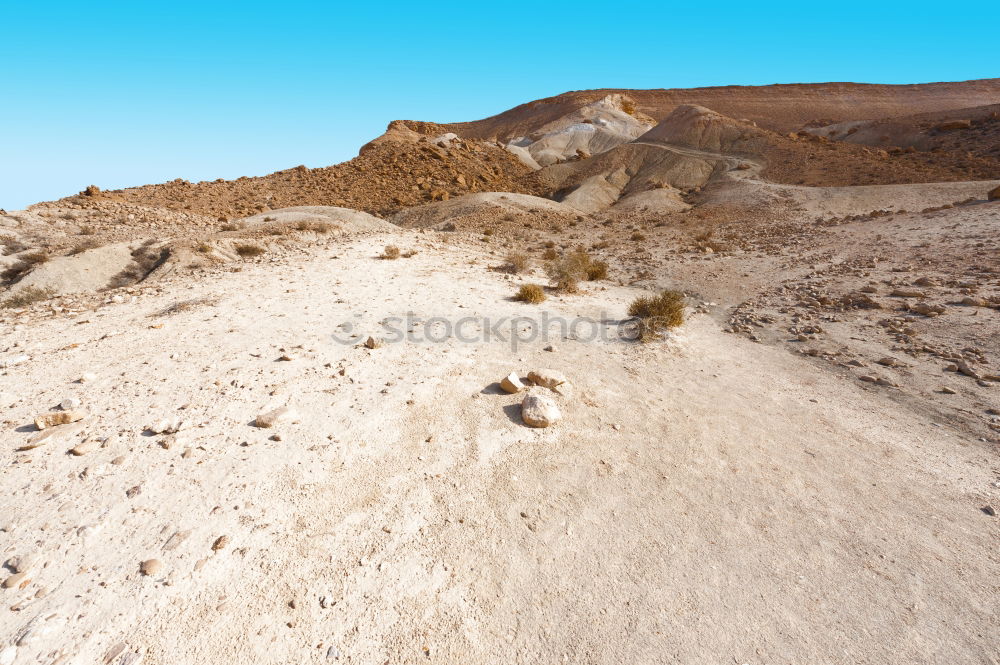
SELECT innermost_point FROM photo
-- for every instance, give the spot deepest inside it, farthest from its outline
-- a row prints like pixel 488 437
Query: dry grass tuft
pixel 516 262
pixel 28 296
pixel 186 305
pixel 25 263
pixel 657 314
pixel 568 271
pixel 390 253
pixel 248 251
pixel 532 293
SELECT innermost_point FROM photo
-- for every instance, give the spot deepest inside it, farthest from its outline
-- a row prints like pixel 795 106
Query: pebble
pixel 948 391
pixel 272 418
pixel 150 567
pixel 333 653
pixel 69 403
pixel 88 446
pixel 373 343
pixel 53 434
pixel 511 383
pixel 59 418
pixel 87 377
pixel 15 580
pixel 166 426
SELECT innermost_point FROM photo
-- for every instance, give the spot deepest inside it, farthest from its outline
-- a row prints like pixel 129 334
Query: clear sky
pixel 127 93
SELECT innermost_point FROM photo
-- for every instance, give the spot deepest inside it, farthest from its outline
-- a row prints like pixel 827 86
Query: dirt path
pixel 703 500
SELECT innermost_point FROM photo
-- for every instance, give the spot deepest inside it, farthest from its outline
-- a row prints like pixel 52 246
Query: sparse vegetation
pixel 568 271
pixel 550 254
pixel 597 270
pixel 530 293
pixel 637 237
pixel 657 314
pixel 516 262
pixel 87 230
pixel 230 226
pixel 391 252
pixel 27 296
pixel 204 248
pixel 81 247
pixel 145 260
pixel 248 251
pixel 24 264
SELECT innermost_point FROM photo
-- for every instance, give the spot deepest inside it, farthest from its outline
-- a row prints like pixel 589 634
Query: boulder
pixel 539 411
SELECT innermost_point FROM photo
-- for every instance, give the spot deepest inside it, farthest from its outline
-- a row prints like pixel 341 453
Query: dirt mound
pixel 388 175
pixel 591 129
pixel 493 210
pixel 343 220
pixel 972 130
pixel 700 128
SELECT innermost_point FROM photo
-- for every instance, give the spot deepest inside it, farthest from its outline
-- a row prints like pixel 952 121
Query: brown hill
pixel 782 107
pixel 387 176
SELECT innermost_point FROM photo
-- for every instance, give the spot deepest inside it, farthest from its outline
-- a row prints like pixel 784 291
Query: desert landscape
pixel 701 375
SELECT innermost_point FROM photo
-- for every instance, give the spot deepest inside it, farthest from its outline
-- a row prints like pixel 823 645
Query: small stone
pixel 220 543
pixel 333 653
pixel 166 426
pixel 286 357
pixel 948 391
pixel 15 580
pixel 511 383
pixel 547 378
pixel 989 511
pixel 69 403
pixel 175 540
pixel 118 461
pixel 88 446
pixel 87 377
pixel 272 418
pixel 888 362
pixel 59 418
pixel 54 434
pixel 22 564
pixel 539 411
pixel 550 348
pixel 150 567
pixel 373 343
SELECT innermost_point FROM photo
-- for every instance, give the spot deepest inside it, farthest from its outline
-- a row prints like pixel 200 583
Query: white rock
pixel 69 403
pixel 88 446
pixel 512 383
pixel 59 418
pixel 14 360
pixel 166 426
pixel 547 378
pixel 87 377
pixel 272 418
pixel 539 410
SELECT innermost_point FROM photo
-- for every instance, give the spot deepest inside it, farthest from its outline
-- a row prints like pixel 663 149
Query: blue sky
pixel 119 94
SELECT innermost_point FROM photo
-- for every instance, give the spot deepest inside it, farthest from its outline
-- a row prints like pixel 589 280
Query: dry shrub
pixel 550 254
pixel 533 293
pixel 248 251
pixel 28 296
pixel 87 230
pixel 11 245
pixel 204 248
pixel 390 253
pixel 657 314
pixel 638 237
pixel 516 262
pixel 597 270
pixel 24 264
pixel 568 271
pixel 230 227
pixel 90 243
pixel 145 260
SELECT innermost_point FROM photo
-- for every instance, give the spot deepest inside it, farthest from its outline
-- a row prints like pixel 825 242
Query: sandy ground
pixel 704 500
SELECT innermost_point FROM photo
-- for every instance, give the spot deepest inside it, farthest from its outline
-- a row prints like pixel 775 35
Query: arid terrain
pixel 266 420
